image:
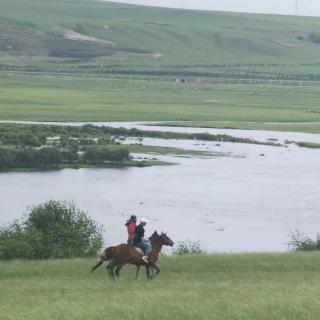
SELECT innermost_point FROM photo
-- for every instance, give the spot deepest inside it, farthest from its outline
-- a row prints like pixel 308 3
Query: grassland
pixel 118 38
pixel 237 106
pixel 95 37
pixel 232 287
pixel 308 127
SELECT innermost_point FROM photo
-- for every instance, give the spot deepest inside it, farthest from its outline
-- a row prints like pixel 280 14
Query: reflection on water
pixel 246 203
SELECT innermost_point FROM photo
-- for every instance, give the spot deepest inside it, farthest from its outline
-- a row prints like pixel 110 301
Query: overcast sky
pixel 305 7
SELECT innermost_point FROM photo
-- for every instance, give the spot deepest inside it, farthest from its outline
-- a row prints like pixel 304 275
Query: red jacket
pixel 131 228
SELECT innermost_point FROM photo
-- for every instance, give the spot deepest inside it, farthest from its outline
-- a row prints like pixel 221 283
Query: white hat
pixel 143 220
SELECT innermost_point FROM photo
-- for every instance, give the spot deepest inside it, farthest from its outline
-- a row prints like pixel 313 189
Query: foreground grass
pixel 247 286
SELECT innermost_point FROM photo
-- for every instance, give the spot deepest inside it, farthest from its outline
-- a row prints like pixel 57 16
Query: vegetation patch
pixel 188 247
pixel 306 144
pixel 53 147
pixel 301 242
pixel 54 229
pixel 88 134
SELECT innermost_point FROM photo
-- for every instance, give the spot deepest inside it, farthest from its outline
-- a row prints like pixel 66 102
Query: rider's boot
pixel 145 259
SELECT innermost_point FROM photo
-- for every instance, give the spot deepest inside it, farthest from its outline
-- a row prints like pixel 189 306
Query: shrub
pixel 54 229
pixel 30 158
pixel 188 247
pixel 96 155
pixel 305 144
pixel 302 242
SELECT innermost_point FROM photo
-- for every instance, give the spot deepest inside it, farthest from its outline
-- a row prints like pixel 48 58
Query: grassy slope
pixel 187 40
pixel 232 287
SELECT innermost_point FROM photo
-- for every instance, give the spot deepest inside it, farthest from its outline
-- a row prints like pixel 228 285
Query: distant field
pixel 83 99
pixel 287 127
pixel 231 287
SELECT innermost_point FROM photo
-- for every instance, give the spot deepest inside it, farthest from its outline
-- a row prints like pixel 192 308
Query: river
pixel 247 201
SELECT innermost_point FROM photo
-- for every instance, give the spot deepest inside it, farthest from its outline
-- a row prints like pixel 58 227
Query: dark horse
pixel 123 254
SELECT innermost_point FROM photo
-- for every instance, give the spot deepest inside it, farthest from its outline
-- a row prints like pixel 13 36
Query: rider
pixel 139 240
pixel 131 226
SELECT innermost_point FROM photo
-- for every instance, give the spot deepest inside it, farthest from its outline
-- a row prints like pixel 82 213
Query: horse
pixel 123 254
pixel 107 255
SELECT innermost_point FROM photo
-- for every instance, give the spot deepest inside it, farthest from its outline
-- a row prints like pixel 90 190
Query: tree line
pixel 52 157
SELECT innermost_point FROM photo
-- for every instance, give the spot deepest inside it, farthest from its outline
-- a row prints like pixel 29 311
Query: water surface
pixel 247 201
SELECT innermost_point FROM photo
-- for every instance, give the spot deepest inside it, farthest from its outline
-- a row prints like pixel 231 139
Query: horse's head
pixel 163 237
pixel 166 240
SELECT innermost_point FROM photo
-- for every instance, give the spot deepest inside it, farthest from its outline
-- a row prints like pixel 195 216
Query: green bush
pixel 54 229
pixel 96 155
pixel 30 158
pixel 306 144
pixel 302 242
pixel 188 247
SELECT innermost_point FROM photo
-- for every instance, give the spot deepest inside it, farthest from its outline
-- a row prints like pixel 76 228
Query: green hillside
pixel 89 36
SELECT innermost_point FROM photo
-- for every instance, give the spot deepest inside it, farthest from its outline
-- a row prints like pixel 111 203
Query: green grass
pixel 190 42
pixel 232 287
pixel 214 44
pixel 76 99
pixel 308 127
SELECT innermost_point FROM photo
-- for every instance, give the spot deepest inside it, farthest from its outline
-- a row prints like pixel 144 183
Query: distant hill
pixel 86 36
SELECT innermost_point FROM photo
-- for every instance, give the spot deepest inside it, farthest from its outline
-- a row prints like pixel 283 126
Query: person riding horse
pixel 120 255
pixel 131 226
pixel 140 241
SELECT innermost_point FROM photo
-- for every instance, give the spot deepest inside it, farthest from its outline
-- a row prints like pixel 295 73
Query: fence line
pixel 178 79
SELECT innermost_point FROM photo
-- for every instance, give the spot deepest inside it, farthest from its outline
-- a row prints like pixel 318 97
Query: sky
pixel 305 7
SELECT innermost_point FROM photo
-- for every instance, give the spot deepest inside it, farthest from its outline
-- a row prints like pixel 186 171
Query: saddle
pixel 138 250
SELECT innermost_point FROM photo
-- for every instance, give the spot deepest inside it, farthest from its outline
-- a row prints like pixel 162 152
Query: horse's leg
pixel 148 272
pixel 118 270
pixel 97 265
pixel 137 272
pixel 108 270
pixel 113 264
pixel 157 268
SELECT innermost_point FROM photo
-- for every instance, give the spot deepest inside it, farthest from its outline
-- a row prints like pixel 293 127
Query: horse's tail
pixel 105 255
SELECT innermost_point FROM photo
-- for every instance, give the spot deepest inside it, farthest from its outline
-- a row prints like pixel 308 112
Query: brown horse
pixel 123 254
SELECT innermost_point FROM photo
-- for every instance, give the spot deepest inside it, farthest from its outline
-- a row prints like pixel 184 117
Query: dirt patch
pixel 285 44
pixel 157 55
pixel 73 35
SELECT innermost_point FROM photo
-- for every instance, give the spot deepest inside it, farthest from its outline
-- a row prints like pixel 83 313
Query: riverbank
pixel 303 127
pixel 226 286
pixel 128 164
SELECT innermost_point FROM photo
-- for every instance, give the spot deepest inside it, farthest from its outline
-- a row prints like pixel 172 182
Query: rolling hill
pixel 89 36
